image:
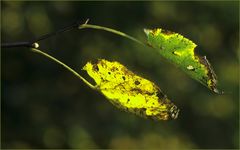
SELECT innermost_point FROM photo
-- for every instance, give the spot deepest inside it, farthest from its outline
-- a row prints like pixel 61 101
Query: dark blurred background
pixel 45 106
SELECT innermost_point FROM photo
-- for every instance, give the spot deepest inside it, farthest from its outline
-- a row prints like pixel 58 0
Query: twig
pixel 72 26
pixel 34 44
pixel 67 28
pixel 16 44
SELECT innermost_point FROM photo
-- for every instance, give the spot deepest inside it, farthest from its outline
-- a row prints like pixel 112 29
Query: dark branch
pixel 32 43
pixel 16 44
pixel 67 28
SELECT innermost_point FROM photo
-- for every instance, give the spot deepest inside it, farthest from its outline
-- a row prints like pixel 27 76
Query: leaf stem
pixel 83 26
pixel 64 65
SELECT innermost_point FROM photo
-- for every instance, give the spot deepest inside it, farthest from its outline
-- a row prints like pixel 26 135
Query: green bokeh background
pixel 45 106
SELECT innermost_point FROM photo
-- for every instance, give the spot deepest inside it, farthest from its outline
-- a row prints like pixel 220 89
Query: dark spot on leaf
pixel 167 32
pixel 136 90
pixel 95 67
pixel 204 79
pixel 114 69
pixel 123 78
pixel 174 53
pixel 109 72
pixel 193 69
pixel 128 100
pixel 136 82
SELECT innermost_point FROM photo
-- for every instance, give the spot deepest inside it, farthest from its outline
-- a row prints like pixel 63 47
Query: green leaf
pixel 130 92
pixel 180 51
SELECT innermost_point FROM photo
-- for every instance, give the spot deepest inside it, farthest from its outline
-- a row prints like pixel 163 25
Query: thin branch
pixel 72 26
pixel 31 43
pixel 64 65
pixel 16 44
pixel 85 25
pixel 67 28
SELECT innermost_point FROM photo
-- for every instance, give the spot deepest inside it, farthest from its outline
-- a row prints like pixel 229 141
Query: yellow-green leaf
pixel 130 92
pixel 180 51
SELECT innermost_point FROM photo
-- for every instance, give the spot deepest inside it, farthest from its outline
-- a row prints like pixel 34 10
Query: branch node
pixel 86 22
pixel 35 45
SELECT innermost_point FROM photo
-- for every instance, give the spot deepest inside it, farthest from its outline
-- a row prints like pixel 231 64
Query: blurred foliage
pixel 45 106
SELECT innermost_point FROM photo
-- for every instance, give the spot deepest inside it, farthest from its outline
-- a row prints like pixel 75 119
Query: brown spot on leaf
pixel 114 69
pixel 167 32
pixel 137 90
pixel 211 74
pixel 136 82
pixel 95 67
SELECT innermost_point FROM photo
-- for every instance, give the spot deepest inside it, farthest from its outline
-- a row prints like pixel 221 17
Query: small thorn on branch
pixel 86 22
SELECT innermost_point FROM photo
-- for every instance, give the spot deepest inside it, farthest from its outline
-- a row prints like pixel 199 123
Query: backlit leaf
pixel 130 92
pixel 180 51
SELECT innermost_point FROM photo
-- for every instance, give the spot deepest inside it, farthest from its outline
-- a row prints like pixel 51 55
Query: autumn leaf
pixel 180 51
pixel 130 92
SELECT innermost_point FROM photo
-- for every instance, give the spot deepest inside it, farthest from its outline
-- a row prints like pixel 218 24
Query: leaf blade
pixel 130 92
pixel 181 52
